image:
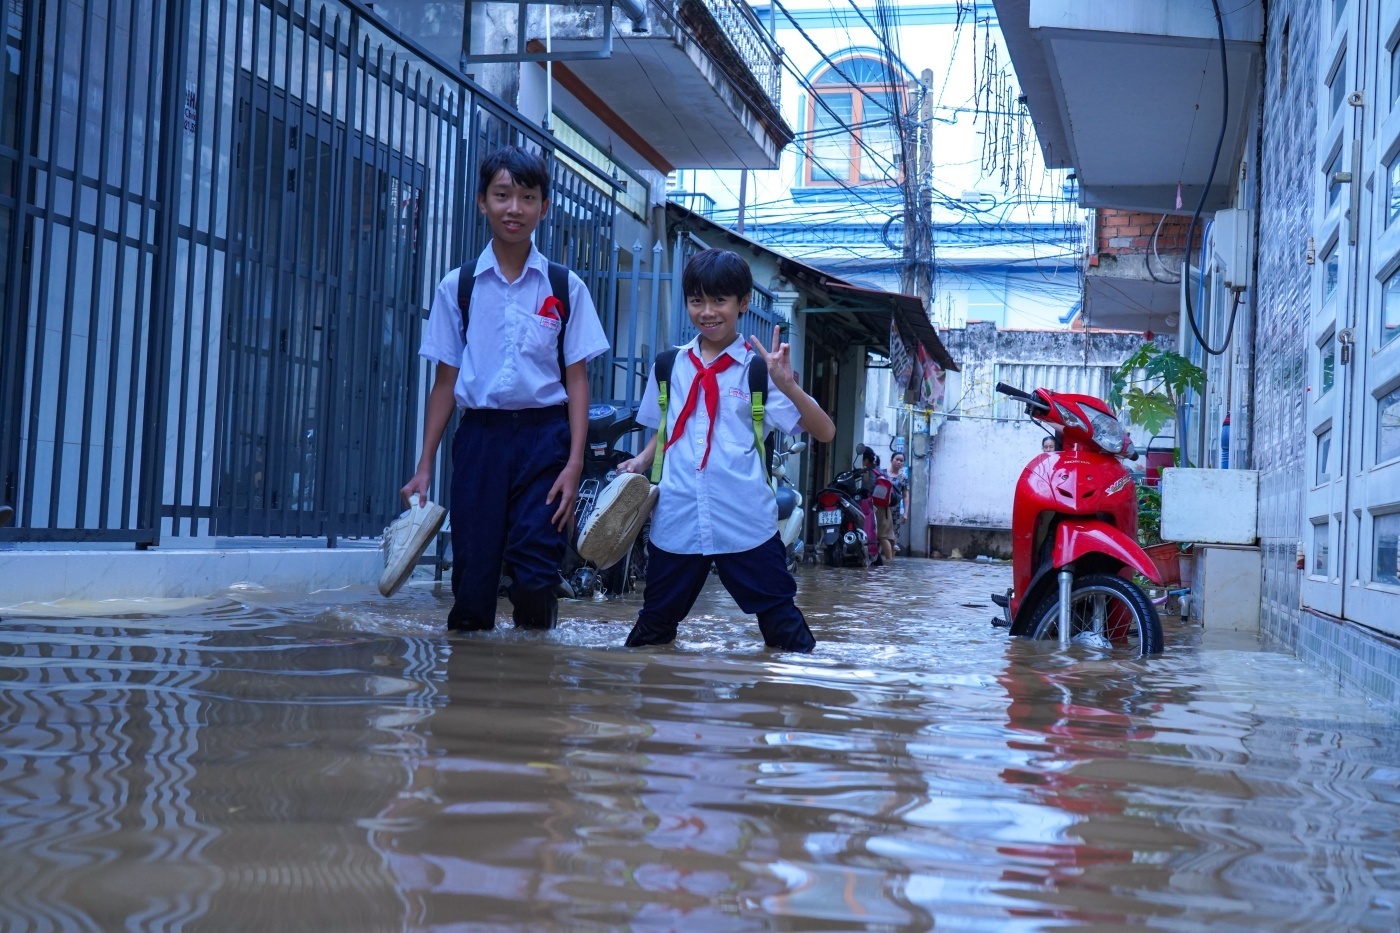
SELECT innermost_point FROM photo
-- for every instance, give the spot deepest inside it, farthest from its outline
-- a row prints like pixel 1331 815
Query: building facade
pixel 223 224
pixel 1292 301
pixel 908 131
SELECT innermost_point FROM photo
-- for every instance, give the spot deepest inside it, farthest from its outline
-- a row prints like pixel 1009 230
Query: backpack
pixel 882 495
pixel 758 386
pixel 558 285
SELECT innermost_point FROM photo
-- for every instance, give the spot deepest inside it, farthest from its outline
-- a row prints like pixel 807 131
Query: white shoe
pixel 616 520
pixel 405 540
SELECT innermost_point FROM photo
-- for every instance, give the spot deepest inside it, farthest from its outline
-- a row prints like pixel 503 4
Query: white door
pixel 1339 257
pixel 1371 594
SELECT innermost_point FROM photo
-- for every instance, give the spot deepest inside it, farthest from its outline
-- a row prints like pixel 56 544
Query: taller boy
pixel 518 451
pixel 716 505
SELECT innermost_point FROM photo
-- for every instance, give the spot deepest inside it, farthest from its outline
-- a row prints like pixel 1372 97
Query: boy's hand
pixel 565 488
pixel 419 485
pixel 637 464
pixel 779 361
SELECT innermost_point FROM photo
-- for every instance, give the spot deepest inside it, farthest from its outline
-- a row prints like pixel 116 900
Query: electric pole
pixel 917 277
pixel 925 239
pixel 918 280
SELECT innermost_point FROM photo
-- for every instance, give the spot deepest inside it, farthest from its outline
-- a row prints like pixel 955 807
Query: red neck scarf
pixel 705 380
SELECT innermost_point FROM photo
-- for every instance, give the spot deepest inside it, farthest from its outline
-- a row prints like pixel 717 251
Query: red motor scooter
pixel 1074 546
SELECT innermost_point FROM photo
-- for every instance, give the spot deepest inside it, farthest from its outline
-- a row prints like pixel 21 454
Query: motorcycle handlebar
pixel 1023 396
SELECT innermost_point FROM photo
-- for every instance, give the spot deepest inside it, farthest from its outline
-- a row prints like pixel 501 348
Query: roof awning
pixel 864 314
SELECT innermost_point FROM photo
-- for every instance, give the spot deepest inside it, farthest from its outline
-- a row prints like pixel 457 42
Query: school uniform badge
pixel 548 315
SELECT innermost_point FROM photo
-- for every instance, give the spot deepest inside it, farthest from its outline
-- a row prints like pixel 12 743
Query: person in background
pixel 1047 444
pixel 900 474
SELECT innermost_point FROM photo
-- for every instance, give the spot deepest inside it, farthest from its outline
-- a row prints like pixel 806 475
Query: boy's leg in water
pixel 760 583
pixel 534 547
pixel 478 524
pixel 674 582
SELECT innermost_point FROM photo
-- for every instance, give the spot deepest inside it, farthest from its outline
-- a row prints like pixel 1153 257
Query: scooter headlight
pixel 1108 432
pixel 1070 419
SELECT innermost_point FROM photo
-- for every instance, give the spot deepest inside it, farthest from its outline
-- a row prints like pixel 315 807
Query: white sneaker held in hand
pixel 405 540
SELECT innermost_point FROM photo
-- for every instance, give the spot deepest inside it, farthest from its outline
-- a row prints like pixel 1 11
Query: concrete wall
pixel 981 349
pixel 974 468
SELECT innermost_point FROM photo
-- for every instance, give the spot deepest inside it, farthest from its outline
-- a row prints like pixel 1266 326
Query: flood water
pixel 338 763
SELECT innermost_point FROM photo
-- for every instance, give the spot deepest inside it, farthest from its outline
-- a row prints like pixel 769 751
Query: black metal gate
pixel 217 261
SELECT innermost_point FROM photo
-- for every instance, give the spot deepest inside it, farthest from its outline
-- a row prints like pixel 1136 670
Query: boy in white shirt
pixel 716 505
pixel 517 371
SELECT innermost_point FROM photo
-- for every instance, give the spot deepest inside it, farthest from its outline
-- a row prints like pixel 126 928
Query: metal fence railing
pixel 215 269
pixel 758 50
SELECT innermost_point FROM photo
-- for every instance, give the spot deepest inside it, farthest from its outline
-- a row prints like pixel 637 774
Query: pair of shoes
pixel 617 518
pixel 405 540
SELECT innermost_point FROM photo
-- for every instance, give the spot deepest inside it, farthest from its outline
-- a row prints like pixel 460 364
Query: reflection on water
pixel 257 764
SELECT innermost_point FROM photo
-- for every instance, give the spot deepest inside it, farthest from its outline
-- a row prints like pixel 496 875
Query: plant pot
pixel 1165 557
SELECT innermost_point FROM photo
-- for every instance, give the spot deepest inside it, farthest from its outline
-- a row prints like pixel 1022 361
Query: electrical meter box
pixel 1232 247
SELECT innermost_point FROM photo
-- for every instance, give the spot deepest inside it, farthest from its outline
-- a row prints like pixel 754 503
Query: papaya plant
pixel 1151 385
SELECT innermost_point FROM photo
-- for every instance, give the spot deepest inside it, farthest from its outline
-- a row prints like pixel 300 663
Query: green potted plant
pixel 1150 388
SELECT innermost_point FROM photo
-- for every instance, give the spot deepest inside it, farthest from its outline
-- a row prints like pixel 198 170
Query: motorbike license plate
pixel 831 517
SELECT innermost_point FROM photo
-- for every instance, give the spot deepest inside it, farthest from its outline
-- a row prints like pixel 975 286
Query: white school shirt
pixel 728 507
pixel 512 352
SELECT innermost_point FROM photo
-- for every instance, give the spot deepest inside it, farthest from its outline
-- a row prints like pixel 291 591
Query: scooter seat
pixel 787 501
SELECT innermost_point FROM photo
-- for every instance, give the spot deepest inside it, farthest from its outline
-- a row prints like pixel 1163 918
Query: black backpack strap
pixel 758 391
pixel 558 286
pixel 665 362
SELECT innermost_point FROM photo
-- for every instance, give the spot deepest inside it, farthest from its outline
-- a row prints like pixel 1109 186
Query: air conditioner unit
pixel 1232 247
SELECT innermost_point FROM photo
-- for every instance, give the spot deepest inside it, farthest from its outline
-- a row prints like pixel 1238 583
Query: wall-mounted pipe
pixel 636 11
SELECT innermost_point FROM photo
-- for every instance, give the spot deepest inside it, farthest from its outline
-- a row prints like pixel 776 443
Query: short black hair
pixel 527 169
pixel 717 273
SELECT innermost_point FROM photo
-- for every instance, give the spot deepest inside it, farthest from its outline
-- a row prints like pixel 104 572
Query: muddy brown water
pixel 339 764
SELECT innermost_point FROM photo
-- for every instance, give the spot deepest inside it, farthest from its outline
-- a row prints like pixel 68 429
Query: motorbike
pixel 1074 548
pixel 607 425
pixel 841 523
pixel 790 514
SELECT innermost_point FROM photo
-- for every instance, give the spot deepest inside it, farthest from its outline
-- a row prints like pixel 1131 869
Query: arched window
pixel 854 139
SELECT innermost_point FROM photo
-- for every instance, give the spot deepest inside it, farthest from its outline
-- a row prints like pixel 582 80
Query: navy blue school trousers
pixel 504 463
pixel 758 580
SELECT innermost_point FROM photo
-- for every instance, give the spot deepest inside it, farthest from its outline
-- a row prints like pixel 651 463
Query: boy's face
pixel 716 318
pixel 512 211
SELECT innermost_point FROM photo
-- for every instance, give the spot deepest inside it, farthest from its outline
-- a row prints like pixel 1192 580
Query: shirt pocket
pixel 540 340
pixel 735 422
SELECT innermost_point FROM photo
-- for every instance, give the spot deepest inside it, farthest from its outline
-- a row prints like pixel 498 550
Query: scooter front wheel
pixel 1106 606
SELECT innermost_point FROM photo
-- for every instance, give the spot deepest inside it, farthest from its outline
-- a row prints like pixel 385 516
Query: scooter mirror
pixel 796 447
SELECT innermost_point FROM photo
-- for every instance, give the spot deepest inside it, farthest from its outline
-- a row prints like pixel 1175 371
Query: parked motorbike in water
pixel 607 425
pixel 790 514
pixel 841 522
pixel 1074 548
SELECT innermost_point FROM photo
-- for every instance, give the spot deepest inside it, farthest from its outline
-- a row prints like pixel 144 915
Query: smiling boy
pixel 716 505
pixel 516 368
